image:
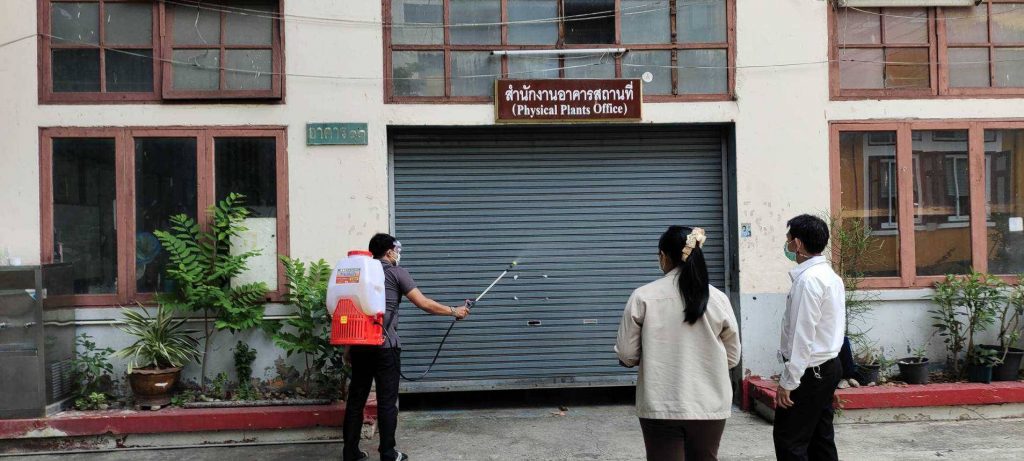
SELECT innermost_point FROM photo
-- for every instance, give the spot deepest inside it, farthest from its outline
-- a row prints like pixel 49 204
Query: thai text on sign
pixel 573 100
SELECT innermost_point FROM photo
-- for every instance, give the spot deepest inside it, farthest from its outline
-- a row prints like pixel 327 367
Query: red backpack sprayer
pixel 356 302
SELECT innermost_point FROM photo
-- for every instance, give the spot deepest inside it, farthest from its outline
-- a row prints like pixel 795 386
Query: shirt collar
pixel 385 263
pixel 797 271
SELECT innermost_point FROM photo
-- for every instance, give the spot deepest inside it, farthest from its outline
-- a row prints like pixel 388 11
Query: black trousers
pixel 369 364
pixel 679 440
pixel 804 431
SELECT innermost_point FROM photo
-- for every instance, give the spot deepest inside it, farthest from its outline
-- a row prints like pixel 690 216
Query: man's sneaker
pixel 399 456
pixel 363 456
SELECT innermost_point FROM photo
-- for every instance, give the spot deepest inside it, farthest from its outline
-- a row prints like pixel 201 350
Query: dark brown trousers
pixel 678 440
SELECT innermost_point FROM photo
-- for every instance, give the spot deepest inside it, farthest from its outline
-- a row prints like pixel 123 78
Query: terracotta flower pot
pixel 152 387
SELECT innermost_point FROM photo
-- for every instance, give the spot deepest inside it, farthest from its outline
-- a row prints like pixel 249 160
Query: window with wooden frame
pixel 922 52
pixel 104 191
pixel 147 51
pixel 442 50
pixel 959 185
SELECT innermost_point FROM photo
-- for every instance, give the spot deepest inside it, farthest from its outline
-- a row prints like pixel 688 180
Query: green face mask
pixel 789 254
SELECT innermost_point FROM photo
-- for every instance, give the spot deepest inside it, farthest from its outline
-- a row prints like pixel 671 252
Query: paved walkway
pixel 608 432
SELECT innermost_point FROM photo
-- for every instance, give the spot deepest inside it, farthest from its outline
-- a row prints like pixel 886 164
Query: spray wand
pixel 469 304
pixel 510 267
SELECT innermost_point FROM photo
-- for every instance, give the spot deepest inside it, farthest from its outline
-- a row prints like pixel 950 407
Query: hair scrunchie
pixel 696 239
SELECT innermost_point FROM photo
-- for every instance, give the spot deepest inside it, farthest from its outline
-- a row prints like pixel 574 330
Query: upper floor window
pixel 443 50
pixel 914 52
pixel 139 50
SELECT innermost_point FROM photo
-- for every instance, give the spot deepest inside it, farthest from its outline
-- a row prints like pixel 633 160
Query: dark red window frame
pixel 447 48
pixel 162 69
pixel 125 207
pixel 938 61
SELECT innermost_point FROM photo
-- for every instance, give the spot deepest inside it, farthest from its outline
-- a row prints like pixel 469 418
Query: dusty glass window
pixel 84 200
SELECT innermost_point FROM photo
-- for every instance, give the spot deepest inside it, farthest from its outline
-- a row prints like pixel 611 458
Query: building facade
pixel 121 113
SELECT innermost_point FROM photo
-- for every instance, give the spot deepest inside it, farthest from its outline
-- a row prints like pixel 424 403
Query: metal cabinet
pixel 34 360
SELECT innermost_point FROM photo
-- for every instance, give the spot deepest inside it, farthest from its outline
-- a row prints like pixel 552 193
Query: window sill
pixel 919 96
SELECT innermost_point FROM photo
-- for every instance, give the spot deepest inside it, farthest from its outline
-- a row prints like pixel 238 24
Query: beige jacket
pixel 684 369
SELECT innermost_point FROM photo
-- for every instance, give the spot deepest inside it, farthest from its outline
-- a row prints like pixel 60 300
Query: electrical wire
pixel 221 8
pixel 17 40
pixel 926 18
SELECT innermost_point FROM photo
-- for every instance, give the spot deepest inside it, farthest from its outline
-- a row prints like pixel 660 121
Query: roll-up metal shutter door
pixel 579 208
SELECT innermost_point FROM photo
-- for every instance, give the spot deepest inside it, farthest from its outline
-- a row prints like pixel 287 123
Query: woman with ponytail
pixel 683 334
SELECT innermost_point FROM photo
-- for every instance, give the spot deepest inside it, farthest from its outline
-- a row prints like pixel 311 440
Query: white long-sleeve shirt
pixel 684 369
pixel 815 320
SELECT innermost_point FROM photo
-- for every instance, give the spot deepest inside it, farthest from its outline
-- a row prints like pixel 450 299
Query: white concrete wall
pixel 339 194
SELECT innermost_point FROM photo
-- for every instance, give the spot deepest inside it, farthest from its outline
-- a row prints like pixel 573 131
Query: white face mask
pixel 397 252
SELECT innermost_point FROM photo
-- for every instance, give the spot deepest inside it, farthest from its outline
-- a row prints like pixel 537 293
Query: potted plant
pixel 869 365
pixel 914 369
pixel 979 369
pixel 162 346
pixel 1009 333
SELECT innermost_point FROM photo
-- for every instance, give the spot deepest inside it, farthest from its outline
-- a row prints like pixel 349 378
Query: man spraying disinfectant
pixel 382 363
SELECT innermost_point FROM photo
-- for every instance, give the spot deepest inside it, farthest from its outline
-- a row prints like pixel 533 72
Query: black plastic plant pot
pixel 979 374
pixel 1009 370
pixel 914 370
pixel 869 373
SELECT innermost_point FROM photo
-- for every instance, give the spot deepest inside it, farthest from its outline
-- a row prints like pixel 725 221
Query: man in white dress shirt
pixel 812 335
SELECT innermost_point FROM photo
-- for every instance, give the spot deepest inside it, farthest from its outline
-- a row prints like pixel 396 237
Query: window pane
pixel 76 70
pixel 646 21
pixel 469 63
pixel 967 25
pixel 412 22
pixel 906 25
pixel 532 67
pixel 1005 191
pixel 475 12
pixel 254 28
pixel 1008 23
pixel 253 69
pixel 597 27
pixel 195 26
pixel 128 24
pixel 658 63
pixel 943 206
pixel 703 72
pixel 869 194
pixel 968 67
pixel 248 166
pixel 84 203
pixel 1009 67
pixel 907 68
pixel 418 73
pixel 539 33
pixel 196 69
pixel 165 185
pixel 589 66
pixel 76 23
pixel 861 68
pixel 130 72
pixel 860 27
pixel 699 21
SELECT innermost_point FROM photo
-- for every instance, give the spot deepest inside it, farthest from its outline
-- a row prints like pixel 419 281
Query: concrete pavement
pixel 601 429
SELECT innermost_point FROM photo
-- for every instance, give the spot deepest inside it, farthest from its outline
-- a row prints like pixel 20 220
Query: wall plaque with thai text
pixel 343 134
pixel 567 100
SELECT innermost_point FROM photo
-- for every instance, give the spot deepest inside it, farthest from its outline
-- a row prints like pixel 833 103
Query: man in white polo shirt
pixel 812 336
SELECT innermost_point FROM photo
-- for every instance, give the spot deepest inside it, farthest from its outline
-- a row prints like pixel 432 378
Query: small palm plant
pixel 161 341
